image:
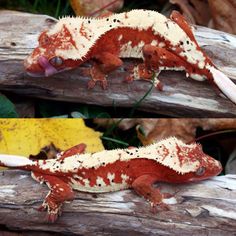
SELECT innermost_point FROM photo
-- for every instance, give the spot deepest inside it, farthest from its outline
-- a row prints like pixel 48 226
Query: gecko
pixel 162 43
pixel 169 160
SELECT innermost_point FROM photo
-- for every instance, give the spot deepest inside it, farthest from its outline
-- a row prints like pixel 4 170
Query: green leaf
pixel 7 108
pixel 76 114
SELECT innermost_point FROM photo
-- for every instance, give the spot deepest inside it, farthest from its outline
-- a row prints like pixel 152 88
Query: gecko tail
pixel 14 161
pixel 224 83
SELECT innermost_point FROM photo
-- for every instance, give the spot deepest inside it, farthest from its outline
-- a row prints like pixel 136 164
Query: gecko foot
pixel 155 206
pixel 157 201
pixel 92 83
pixel 53 210
pixel 97 76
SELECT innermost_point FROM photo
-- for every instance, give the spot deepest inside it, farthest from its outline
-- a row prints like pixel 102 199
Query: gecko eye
pixel 200 171
pixel 56 61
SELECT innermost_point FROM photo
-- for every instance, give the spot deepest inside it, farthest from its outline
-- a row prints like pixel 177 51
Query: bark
pixel 181 97
pixel 204 208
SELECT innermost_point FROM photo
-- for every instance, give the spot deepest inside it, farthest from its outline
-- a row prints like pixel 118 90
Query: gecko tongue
pixel 48 68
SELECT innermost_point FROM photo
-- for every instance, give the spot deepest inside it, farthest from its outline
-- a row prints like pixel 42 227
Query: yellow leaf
pixel 28 136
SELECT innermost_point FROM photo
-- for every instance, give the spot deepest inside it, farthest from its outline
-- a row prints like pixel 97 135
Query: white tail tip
pixel 224 84
pixel 14 161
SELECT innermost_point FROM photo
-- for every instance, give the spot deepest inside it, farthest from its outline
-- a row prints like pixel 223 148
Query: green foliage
pixel 55 8
pixel 7 108
pixel 70 110
pixel 120 139
pixel 113 137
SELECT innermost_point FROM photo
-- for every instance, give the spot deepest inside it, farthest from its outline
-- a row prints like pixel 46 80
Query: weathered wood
pixel 205 208
pixel 181 96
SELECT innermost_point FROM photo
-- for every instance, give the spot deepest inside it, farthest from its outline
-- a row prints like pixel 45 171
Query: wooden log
pixel 204 208
pixel 181 96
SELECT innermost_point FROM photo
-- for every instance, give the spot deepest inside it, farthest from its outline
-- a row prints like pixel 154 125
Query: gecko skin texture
pixel 169 160
pixel 162 43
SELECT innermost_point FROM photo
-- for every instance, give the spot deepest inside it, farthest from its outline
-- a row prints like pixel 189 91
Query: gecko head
pixel 208 166
pixel 55 53
pixel 186 162
pixel 204 166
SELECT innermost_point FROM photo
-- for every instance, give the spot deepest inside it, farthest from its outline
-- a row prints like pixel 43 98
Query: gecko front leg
pixel 103 64
pixel 59 192
pixel 143 186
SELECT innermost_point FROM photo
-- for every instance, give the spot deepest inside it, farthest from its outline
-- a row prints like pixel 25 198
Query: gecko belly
pixel 99 187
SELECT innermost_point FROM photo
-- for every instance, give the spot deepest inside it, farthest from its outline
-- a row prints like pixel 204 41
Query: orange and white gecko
pixel 162 43
pixel 169 160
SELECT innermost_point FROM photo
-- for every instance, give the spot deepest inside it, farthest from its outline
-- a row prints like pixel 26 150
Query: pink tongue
pixel 49 69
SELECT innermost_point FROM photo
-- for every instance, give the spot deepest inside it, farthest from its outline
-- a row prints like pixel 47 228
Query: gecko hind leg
pixel 142 72
pixel 58 194
pixel 103 64
pixel 155 60
pixel 160 59
pixel 143 186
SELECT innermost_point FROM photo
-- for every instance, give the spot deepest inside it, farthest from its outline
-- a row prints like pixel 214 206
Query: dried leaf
pixel 184 129
pixel 95 8
pixel 223 14
pixel 195 11
pixel 27 136
pixel 151 130
pixel 218 14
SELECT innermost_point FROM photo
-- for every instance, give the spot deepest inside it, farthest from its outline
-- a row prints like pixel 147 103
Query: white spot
pixel 154 42
pixel 124 178
pixel 110 177
pixel 162 45
pixel 120 37
pixel 201 64
pixel 127 50
pixel 100 182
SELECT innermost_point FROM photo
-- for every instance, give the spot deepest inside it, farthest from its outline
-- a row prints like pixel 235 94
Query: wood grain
pixel 204 208
pixel 181 97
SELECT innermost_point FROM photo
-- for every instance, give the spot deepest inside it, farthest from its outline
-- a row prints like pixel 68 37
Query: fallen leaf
pixel 95 8
pixel 184 129
pixel 27 136
pixel 195 11
pixel 223 15
pixel 153 130
pixel 217 14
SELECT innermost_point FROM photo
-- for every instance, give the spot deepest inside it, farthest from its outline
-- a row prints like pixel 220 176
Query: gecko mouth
pixel 48 68
pixel 44 68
